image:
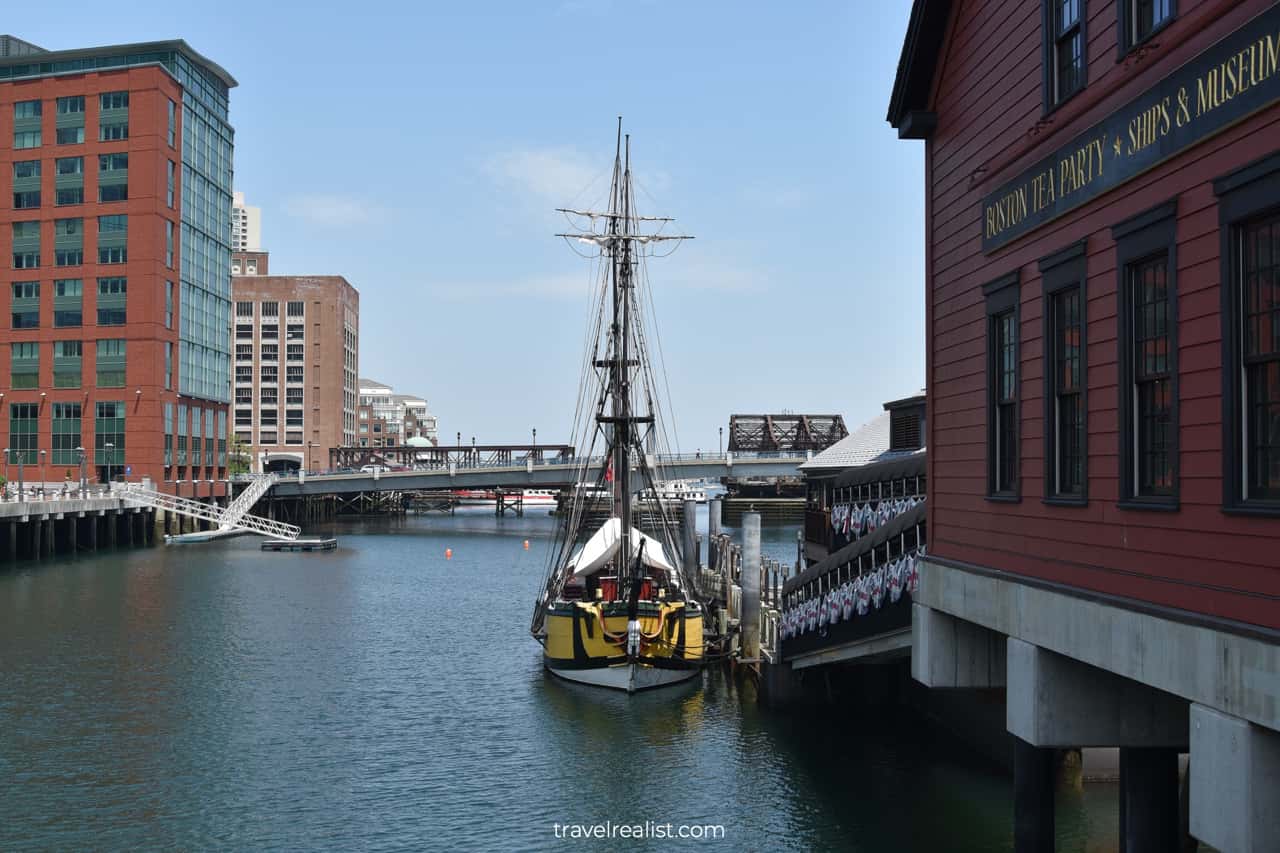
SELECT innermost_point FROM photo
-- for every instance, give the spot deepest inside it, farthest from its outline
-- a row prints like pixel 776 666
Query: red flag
pixel 608 474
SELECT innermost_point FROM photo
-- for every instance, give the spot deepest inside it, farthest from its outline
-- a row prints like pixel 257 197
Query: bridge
pixel 558 471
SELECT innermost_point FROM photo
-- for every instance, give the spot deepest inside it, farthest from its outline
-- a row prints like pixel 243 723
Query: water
pixel 381 697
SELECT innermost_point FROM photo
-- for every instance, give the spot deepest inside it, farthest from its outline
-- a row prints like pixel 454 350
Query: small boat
pixel 616 609
pixel 676 492
pixel 488 497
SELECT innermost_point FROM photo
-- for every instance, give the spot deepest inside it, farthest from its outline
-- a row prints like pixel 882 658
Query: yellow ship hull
pixel 586 642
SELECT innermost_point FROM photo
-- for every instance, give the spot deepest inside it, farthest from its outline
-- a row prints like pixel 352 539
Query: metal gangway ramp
pixel 225 519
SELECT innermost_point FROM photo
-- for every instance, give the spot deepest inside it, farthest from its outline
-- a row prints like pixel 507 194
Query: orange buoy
pixel 448 553
pixel 526 544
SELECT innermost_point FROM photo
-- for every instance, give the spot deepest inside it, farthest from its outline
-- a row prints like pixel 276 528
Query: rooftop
pixel 867 444
pixel 19 58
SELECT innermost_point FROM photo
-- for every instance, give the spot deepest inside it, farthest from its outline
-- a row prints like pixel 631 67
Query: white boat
pixel 675 492
pixel 488 497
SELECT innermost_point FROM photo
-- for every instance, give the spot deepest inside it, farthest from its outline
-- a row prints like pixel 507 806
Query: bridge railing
pixel 562 462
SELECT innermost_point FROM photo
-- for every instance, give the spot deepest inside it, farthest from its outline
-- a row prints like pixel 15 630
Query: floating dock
pixel 299 544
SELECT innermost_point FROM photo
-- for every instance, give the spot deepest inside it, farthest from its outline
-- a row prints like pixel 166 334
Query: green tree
pixel 238 456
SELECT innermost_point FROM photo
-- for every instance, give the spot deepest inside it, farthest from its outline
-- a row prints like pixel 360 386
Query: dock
pixel 299 544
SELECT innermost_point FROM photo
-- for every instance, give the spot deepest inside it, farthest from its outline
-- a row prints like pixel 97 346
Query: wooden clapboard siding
pixel 991 124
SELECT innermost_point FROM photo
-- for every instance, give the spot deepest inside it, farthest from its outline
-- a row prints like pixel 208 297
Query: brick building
pixel 1103 369
pixel 116 169
pixel 296 357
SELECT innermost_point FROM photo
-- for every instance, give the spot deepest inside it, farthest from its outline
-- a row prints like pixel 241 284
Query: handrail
pixel 196 509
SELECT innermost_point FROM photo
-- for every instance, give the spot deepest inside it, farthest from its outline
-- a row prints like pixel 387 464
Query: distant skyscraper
pixel 246 225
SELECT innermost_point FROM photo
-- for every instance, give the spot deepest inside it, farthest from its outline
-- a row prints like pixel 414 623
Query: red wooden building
pixel 1103 367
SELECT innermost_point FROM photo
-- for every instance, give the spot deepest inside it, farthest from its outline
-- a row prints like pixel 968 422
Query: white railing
pixel 195 509
pixel 244 502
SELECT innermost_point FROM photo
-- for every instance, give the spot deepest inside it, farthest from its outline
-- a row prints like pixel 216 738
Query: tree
pixel 238 456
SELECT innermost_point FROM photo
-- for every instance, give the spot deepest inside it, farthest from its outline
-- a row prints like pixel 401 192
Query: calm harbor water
pixel 381 697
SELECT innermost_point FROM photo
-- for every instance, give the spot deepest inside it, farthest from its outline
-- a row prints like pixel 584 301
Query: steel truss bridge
pixel 551 471
pixel 785 433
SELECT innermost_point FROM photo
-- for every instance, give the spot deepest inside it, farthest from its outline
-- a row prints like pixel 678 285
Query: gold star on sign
pixel 1116 146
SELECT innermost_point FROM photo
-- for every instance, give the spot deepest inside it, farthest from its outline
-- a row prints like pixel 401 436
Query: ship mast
pixel 622 242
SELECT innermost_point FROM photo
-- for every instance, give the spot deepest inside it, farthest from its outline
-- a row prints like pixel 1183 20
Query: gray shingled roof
pixel 866 444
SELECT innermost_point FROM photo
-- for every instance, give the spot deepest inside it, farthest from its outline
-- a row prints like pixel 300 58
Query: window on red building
pixel 1002 388
pixel 1066 376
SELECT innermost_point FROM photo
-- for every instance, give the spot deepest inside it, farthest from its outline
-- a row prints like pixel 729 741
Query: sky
pixel 419 148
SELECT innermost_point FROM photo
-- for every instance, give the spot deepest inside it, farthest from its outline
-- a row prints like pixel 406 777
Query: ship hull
pixel 631 677
pixel 577 649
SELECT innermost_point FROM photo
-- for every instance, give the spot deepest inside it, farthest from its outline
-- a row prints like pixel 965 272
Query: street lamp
pixel 108 446
pixel 6 472
pixel 535 436
pixel 42 455
pixel 84 483
pixel 722 441
pixel 309 443
pixel 22 458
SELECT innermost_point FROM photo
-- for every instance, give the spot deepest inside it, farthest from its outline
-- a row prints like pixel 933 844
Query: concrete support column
pixel 1033 781
pixel 73 533
pixel 689 538
pixel 12 544
pixel 950 652
pixel 1235 774
pixel 750 585
pixel 34 524
pixel 127 518
pixel 92 530
pixel 113 521
pixel 1148 800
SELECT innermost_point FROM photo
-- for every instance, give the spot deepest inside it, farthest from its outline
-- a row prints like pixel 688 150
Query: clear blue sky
pixel 418 149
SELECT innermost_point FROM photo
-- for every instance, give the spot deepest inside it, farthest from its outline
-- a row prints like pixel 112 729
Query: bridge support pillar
pixel 750 580
pixel 12 544
pixel 92 529
pixel 73 532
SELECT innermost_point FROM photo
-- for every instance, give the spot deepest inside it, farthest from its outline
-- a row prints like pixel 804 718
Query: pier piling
pixel 689 537
pixel 750 581
pixel 713 530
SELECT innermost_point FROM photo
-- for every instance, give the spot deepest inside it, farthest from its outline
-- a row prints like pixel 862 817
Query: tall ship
pixel 616 609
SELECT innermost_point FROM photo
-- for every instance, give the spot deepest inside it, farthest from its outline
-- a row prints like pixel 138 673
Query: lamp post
pixel 6 472
pixel 84 483
pixel 42 457
pixel 474 460
pixel 108 446
pixel 309 443
pixel 22 457
pixel 722 441
pixel 535 442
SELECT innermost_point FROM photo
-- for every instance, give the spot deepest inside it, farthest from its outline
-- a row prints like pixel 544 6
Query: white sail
pixel 604 544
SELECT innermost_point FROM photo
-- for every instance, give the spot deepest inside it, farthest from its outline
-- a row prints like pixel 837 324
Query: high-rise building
pixel 297 342
pixel 246 225
pixel 117 247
